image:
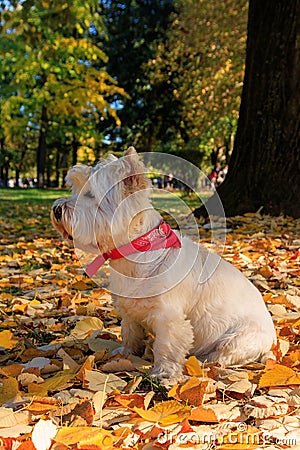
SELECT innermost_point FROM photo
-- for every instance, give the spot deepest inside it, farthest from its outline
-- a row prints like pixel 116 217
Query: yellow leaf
pixel 9 389
pixel 279 376
pixel 193 367
pixel 6 340
pixel 86 327
pixel 35 302
pixel 165 413
pixel 42 405
pixel 84 436
pixel 56 383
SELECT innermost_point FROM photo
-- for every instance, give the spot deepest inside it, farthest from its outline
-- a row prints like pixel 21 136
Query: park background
pixel 207 81
pixel 200 79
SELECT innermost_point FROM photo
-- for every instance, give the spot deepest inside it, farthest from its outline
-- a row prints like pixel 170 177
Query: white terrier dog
pixel 191 300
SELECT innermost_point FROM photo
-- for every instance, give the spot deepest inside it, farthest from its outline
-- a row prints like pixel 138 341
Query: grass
pixel 25 214
pixel 161 199
pixel 32 195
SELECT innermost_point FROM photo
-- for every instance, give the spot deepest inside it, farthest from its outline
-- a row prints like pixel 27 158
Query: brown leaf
pixel 192 392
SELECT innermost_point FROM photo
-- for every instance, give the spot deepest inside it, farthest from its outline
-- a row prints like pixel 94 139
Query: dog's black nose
pixel 57 211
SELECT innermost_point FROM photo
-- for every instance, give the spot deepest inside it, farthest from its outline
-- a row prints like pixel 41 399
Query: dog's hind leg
pixel 243 344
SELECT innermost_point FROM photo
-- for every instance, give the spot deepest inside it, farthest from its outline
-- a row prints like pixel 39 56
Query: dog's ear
pixel 136 173
pixel 77 177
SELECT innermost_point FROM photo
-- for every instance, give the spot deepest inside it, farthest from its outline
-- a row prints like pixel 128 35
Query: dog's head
pixel 107 205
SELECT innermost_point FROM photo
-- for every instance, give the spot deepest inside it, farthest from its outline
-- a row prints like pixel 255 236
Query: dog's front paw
pixel 124 351
pixel 167 376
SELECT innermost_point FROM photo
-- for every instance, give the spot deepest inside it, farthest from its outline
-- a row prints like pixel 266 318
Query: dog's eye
pixel 57 211
pixel 89 195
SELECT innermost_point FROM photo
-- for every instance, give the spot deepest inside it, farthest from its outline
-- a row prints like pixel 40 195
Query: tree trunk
pixel 17 178
pixel 42 150
pixel 4 169
pixel 265 164
pixel 57 166
pixel 75 146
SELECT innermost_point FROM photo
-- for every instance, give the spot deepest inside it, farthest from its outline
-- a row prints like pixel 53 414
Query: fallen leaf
pixel 164 413
pixel 8 390
pixel 7 340
pixel 56 383
pixel 85 327
pixel 192 392
pixel 216 413
pixel 193 367
pixel 98 381
pixel 11 418
pixel 84 435
pixel 43 433
pixel 279 376
pixel 263 407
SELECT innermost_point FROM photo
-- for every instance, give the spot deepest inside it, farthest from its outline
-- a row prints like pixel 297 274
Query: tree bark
pixel 57 166
pixel 4 168
pixel 75 147
pixel 42 149
pixel 265 164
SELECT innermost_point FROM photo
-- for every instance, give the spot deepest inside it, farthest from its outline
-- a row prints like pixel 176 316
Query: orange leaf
pixel 266 271
pixel 193 391
pixel 165 413
pixel 131 400
pixel 13 370
pixel 216 413
pixel 27 445
pixel 279 376
pixel 42 405
pixel 87 365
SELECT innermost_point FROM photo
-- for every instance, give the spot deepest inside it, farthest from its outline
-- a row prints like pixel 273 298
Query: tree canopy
pixel 55 85
pixel 162 75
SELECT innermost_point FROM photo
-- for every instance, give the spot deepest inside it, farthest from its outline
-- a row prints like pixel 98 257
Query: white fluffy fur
pixel 191 300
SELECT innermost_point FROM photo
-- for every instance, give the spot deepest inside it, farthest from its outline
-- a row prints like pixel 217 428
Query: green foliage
pixel 183 77
pixel 203 63
pixel 49 60
pixel 181 63
pixel 134 29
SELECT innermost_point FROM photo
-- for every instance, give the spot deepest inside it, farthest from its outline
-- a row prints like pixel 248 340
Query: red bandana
pixel 159 237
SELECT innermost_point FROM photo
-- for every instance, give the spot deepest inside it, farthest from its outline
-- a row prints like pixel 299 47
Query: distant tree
pixel 203 63
pixel 182 63
pixel 134 29
pixel 264 170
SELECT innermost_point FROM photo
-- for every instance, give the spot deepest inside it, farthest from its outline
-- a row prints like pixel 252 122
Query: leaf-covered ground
pixel 60 388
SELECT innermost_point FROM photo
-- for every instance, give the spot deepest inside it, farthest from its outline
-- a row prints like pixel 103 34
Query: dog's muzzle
pixel 57 211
